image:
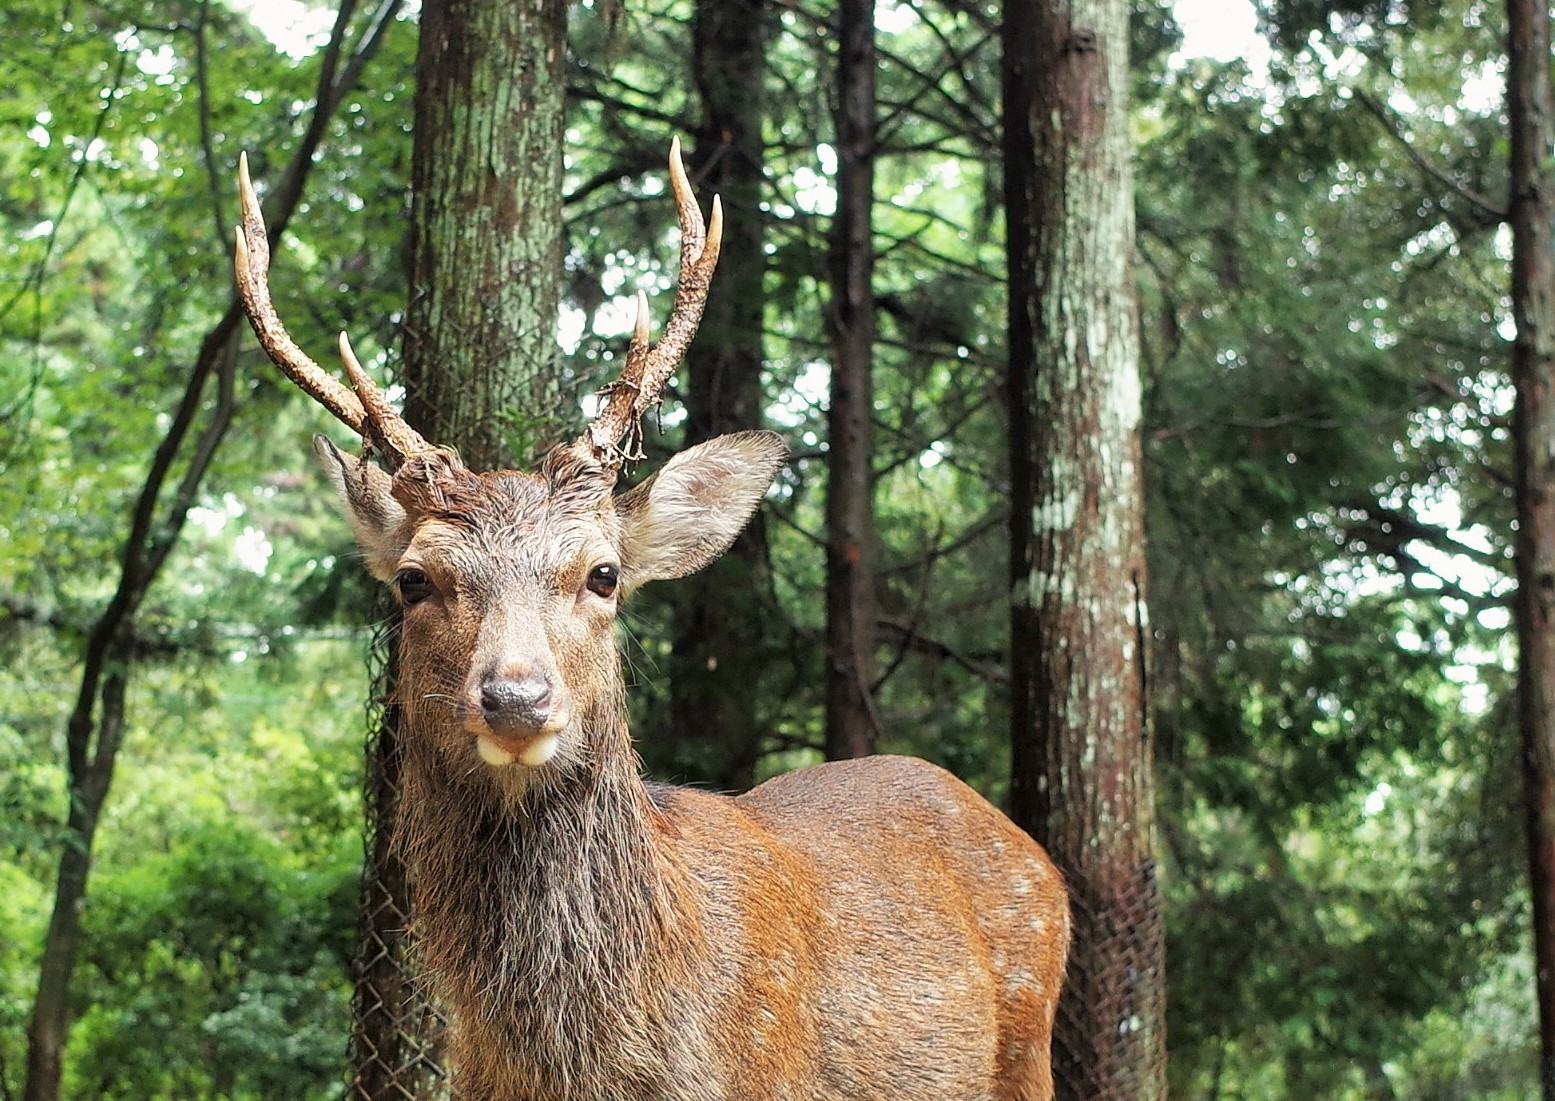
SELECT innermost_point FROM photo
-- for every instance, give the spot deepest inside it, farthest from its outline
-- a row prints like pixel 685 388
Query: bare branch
pixel 911 638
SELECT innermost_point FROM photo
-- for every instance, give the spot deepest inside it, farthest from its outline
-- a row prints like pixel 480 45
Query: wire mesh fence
pixel 1114 991
pixel 397 1032
pixel 397 1050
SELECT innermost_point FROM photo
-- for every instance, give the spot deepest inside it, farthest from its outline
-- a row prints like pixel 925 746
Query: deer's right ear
pixel 376 517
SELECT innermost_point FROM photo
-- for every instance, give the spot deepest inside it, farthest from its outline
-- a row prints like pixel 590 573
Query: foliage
pixel 217 968
pixel 1328 427
pixel 1324 320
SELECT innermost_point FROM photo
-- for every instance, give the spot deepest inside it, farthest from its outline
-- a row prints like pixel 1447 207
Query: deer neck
pixel 554 919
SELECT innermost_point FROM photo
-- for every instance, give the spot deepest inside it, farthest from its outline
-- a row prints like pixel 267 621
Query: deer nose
pixel 516 705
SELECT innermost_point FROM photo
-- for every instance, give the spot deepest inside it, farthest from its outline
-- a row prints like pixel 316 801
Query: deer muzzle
pixel 521 719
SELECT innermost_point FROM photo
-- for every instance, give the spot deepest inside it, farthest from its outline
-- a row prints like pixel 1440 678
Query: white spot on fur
pixel 1021 979
pixel 492 753
pixel 541 750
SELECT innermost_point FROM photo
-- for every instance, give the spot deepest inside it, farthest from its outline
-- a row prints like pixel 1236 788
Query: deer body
pixel 801 941
pixel 862 930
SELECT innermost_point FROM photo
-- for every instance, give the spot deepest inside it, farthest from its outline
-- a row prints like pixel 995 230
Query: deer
pixel 866 930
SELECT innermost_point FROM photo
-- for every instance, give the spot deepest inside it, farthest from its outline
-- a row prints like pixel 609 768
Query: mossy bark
pixel 1081 773
pixel 481 360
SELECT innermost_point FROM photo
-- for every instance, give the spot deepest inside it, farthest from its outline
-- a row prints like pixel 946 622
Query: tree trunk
pixel 851 720
pixel 481 371
pixel 722 614
pixel 481 361
pixel 1533 371
pixel 93 740
pixel 1081 777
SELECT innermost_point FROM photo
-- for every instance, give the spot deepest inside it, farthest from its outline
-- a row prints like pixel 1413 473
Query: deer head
pixel 509 581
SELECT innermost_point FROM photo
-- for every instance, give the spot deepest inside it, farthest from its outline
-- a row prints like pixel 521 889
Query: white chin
pixel 492 753
pixel 541 750
pixel 535 754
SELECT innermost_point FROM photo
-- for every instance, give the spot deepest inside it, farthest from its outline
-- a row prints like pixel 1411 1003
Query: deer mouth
pixel 506 747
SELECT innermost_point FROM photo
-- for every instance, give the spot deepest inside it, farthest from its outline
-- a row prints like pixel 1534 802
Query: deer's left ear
pixel 688 513
pixel 376 517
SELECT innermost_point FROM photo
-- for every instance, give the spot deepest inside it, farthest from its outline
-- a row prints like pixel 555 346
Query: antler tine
pixel 365 412
pixel 251 265
pixel 391 434
pixel 615 430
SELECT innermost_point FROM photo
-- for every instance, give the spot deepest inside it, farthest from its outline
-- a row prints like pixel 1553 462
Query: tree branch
pixel 1489 213
pixel 95 725
pixel 912 638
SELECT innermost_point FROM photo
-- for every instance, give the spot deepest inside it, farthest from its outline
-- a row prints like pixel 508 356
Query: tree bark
pixel 481 360
pixel 722 614
pixel 481 370
pixel 1532 207
pixel 94 730
pixel 851 719
pixel 1081 777
pixel 93 740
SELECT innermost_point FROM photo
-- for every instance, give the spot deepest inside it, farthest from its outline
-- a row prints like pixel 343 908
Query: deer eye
pixel 413 585
pixel 603 580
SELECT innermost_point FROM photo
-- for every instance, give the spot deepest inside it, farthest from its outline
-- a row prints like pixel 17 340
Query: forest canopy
pixel 1322 272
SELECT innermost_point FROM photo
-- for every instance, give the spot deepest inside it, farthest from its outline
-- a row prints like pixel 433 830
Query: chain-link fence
pixel 1114 994
pixel 396 1051
pixel 396 1034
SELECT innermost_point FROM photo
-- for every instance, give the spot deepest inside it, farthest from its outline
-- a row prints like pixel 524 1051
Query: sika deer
pixel 865 930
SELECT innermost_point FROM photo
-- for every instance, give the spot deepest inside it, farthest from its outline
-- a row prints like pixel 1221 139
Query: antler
pixel 366 412
pixel 616 431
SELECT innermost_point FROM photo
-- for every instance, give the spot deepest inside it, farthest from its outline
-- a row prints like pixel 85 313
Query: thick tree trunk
pixel 1533 371
pixel 481 360
pixel 1081 776
pixel 481 371
pixel 851 722
pixel 721 614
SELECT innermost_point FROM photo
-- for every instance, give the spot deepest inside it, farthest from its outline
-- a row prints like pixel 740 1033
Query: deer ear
pixel 376 517
pixel 688 513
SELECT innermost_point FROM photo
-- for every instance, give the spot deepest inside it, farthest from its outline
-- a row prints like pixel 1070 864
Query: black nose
pixel 516 705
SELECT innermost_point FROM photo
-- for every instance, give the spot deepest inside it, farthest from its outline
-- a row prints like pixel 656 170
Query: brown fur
pixel 863 930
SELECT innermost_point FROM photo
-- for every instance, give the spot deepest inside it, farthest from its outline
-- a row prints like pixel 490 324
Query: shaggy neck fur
pixel 547 918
